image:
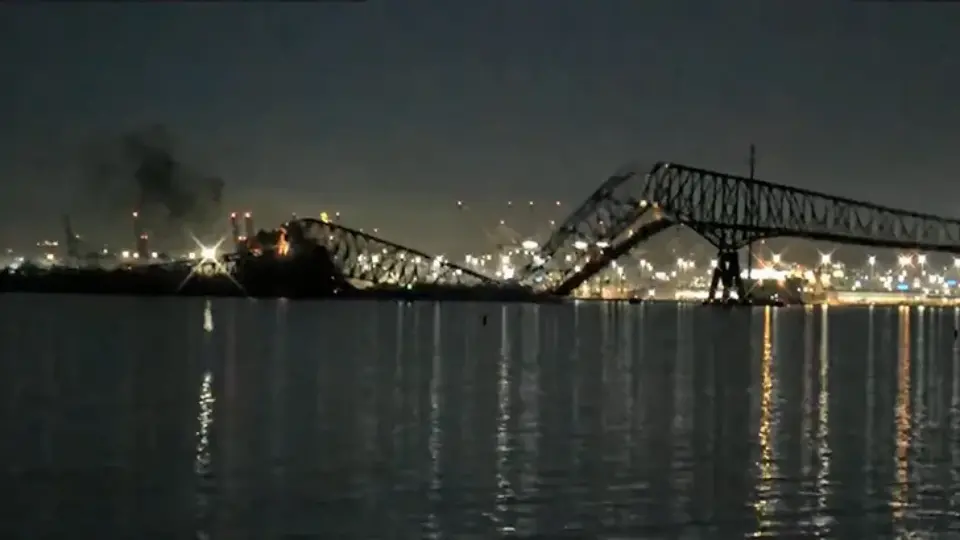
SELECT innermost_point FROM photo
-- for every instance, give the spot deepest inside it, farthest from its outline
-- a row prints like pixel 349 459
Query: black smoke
pixel 145 171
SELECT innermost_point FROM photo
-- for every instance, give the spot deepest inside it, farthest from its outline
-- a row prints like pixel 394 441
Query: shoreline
pixel 447 296
pixel 273 282
pixel 283 282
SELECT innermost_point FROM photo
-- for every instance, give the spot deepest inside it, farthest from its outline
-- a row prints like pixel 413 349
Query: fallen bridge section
pixel 603 257
pixel 369 259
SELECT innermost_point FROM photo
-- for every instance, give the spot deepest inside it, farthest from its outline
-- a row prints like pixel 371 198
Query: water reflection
pixel 823 520
pixel 431 526
pixel 207 317
pixel 201 465
pixel 382 420
pixel 505 494
pixel 766 501
pixel 901 460
pixel 871 400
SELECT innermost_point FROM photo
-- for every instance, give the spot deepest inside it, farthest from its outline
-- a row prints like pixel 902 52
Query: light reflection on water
pixel 202 465
pixel 766 501
pixel 381 420
pixel 822 517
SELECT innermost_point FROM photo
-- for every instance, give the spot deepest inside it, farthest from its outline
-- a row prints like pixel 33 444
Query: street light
pixel 776 258
pixel 905 260
pixel 825 259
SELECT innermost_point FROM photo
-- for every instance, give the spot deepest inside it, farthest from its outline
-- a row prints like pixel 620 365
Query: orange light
pixel 283 246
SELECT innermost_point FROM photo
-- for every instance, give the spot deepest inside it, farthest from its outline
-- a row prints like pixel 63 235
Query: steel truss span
pixel 729 212
pixel 367 258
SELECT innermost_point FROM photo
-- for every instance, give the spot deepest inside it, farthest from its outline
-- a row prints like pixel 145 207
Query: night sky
pixel 391 111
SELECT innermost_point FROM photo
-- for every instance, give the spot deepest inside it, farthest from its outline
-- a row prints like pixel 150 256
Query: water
pixel 168 418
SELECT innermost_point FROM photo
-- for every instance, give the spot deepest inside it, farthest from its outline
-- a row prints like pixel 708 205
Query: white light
pixel 872 260
pixel 529 244
pixel 208 253
pixel 824 258
pixel 580 244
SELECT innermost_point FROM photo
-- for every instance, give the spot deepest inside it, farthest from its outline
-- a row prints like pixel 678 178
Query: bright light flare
pixel 209 255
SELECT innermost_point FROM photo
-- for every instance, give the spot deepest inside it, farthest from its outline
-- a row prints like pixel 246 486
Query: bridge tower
pixel 727 274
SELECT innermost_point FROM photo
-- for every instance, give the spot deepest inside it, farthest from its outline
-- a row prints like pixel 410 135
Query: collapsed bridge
pixel 728 211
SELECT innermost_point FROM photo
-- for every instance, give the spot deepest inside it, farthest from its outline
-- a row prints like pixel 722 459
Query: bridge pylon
pixel 727 274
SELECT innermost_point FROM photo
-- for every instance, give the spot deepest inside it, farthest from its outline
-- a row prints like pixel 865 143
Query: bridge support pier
pixel 727 274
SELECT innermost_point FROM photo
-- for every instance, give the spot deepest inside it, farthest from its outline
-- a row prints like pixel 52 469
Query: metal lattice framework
pixel 729 212
pixel 367 258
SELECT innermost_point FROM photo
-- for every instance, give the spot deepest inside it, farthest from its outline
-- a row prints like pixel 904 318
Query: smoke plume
pixel 141 170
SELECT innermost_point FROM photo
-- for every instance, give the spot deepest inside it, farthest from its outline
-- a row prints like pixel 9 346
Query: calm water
pixel 134 418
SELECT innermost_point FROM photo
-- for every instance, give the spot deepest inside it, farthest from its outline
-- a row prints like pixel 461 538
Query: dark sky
pixel 391 111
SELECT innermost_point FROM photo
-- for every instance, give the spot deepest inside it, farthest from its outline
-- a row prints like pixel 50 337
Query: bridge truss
pixel 369 259
pixel 728 211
